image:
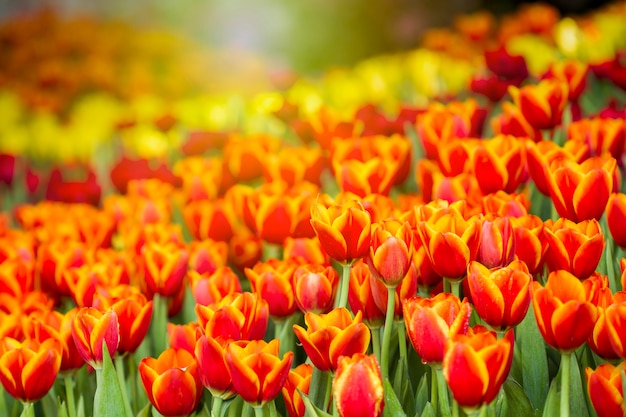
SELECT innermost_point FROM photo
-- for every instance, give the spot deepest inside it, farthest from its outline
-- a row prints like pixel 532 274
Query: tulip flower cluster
pixel 446 240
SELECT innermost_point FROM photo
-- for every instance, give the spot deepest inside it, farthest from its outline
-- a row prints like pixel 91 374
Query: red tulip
pixel 358 386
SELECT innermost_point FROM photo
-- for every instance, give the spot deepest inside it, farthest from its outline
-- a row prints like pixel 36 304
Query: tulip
pixel 358 386
pixel 172 382
pixel 501 296
pixel 499 164
pixel 315 287
pixel 390 252
pixel 206 256
pixel 298 381
pixel 272 281
pixel 451 242
pixel 430 322
pixel 343 230
pixel 581 191
pixel 542 104
pixel 329 336
pixel 211 288
pixel 605 388
pixel 573 73
pixel 134 314
pixel 564 315
pixel 183 336
pixel 616 218
pixel 574 247
pixel 497 243
pixel 476 365
pixel 28 369
pixel 360 296
pixel 91 329
pixel 165 267
pixel 257 372
pixel 530 245
pixel 214 220
pixel 604 137
pixel 210 352
pixel 308 250
pixel 374 176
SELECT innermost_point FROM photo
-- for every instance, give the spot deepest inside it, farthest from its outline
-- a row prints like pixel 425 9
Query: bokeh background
pixel 305 35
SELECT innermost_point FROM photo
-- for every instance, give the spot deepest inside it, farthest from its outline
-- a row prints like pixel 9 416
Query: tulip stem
pixel 444 401
pixel 344 286
pixel 69 395
pixel 391 294
pixel 329 386
pixel 434 390
pixel 608 255
pixel 402 341
pixel 119 368
pixel 159 324
pixel 455 286
pixel 216 408
pixel 376 341
pixel 566 359
pixel 28 410
pixel 258 411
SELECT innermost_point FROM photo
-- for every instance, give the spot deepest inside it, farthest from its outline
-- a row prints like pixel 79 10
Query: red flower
pixel 605 387
pixel 358 386
pixel 91 329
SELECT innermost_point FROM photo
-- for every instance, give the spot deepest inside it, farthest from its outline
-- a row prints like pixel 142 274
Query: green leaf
pixel 422 397
pixel 62 409
pixel 553 403
pixel 429 411
pixel 311 410
pixel 108 401
pixel 533 360
pixel 392 405
pixel 145 412
pixel 517 402
pixel 578 405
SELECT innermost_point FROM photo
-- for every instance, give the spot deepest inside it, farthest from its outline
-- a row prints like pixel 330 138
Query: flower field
pixel 437 232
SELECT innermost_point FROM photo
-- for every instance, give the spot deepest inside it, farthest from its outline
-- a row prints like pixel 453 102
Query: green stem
pixel 608 255
pixel 272 408
pixel 566 358
pixel 455 409
pixel 119 368
pixel 455 286
pixel 344 286
pixel 376 341
pixel 329 386
pixel 434 390
pixel 258 411
pixel 402 340
pixel 444 401
pixel 317 380
pixel 159 325
pixel 391 293
pixel 483 411
pixel 132 371
pixel 216 408
pixel 28 410
pixel 69 395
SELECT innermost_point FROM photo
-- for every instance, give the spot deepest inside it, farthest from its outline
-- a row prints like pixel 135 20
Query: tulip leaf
pixel 533 360
pixel 108 401
pixel 422 397
pixel 311 410
pixel 145 412
pixel 553 403
pixel 517 403
pixel 578 405
pixel 428 411
pixel 393 408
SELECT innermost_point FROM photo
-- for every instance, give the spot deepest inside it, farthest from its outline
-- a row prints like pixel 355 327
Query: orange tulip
pixel 391 251
pixel 581 191
pixel 542 104
pixel 165 266
pixel 405 289
pixel 497 243
pixel 257 372
pixel 92 328
pixel 210 352
pixel 172 382
pixel 329 336
pixel 615 315
pixel 451 241
pixel 214 220
pixel 564 315
pixel 476 365
pixel 298 381
pixel 305 250
pixel 616 218
pixel 272 281
pixel 501 295
pixel 245 249
pixel 604 137
pixel 605 388
pixel 430 322
pixel 530 245
pixel 374 176
pixel 207 256
pixel 358 386
pixel 361 298
pixel 211 288
pixel 499 164
pixel 541 156
pixel 512 122
pixel 505 204
pixel 183 336
pixel 574 247
pixel 573 73
pixel 28 369
pixel 315 287
pixel 344 231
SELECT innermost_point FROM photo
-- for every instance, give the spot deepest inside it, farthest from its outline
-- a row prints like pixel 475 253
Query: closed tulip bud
pixel 257 372
pixel 315 287
pixel 564 315
pixel 165 266
pixel 29 368
pixel 476 365
pixel 391 251
pixel 91 329
pixel 542 104
pixel 497 243
pixel 501 296
pixel 272 281
pixel 616 218
pixel 298 381
pixel 358 387
pixel 172 382
pixel 605 388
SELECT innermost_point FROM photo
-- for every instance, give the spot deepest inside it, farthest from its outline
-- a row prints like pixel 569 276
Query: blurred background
pixel 305 35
